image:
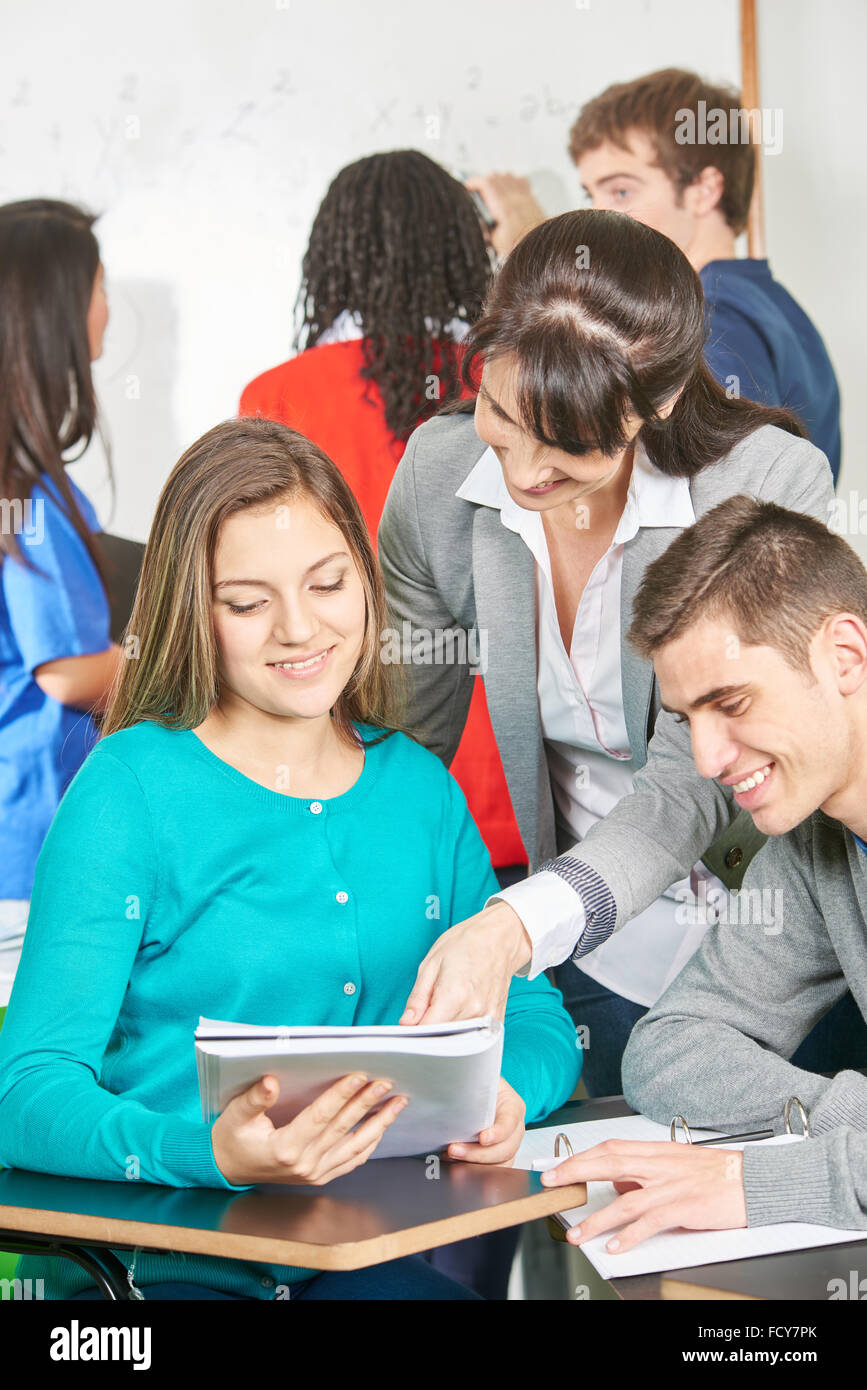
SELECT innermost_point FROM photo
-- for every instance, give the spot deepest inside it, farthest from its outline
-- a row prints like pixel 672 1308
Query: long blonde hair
pixel 171 675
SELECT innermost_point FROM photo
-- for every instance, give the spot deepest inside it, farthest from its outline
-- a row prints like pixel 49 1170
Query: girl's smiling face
pixel 289 609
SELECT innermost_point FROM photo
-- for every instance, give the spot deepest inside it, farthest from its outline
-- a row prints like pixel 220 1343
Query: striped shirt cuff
pixel 600 909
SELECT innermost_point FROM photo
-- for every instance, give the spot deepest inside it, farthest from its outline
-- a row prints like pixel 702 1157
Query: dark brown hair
pixel 604 318
pixel 397 241
pixel 174 678
pixel 775 574
pixel 48 263
pixel 654 105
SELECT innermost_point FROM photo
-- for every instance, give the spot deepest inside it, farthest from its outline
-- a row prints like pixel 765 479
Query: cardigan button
pixel 734 856
pixel 349 987
pixel 342 897
pixel 316 807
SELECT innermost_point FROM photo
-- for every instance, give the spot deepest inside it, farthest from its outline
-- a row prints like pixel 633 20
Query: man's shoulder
pixel 818 846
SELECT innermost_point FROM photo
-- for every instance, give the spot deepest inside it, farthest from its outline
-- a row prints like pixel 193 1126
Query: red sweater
pixel 321 393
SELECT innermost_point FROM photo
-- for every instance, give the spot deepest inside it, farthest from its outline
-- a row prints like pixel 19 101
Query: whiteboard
pixel 206 134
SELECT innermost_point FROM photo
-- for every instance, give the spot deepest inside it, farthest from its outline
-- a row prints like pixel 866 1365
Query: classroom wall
pixel 812 61
pixel 206 134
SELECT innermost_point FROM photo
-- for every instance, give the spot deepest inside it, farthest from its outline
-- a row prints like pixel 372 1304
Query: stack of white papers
pixel 448 1071
pixel 677 1249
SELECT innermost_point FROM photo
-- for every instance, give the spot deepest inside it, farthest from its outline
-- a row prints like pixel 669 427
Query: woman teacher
pixel 598 434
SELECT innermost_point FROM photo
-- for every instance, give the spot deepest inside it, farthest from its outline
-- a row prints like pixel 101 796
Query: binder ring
pixel 680 1122
pixel 566 1144
pixel 787 1116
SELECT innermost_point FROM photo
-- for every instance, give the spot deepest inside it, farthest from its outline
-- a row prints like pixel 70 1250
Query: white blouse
pixel 586 743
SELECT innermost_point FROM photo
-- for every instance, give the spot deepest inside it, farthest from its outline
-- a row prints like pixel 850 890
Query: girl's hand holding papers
pixel 314 1147
pixel 500 1143
pixel 660 1185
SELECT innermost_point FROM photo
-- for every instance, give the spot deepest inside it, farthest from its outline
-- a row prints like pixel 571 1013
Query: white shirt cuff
pixel 553 917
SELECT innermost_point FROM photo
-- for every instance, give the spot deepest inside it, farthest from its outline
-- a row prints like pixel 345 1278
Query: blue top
pixel 761 335
pixel 859 842
pixel 170 885
pixel 62 611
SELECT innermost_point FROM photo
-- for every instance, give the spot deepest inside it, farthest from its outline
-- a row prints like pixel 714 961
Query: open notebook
pixel 671 1249
pixel 449 1071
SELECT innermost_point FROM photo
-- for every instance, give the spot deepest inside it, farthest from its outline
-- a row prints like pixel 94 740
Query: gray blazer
pixel 450 563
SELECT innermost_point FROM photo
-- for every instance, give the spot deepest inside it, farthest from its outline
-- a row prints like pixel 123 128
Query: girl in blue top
pixel 56 658
pixel 253 839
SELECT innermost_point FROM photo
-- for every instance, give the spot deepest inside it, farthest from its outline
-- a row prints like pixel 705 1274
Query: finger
pixel 618 1161
pixel 447 1003
pixel 354 1162
pixel 355 1110
pixel 623 1209
pixel 320 1135
pixel 650 1224
pixel 255 1100
pixel 649 1148
pixel 506 1122
pixel 370 1132
pixel 478 1153
pixel 325 1107
pixel 420 995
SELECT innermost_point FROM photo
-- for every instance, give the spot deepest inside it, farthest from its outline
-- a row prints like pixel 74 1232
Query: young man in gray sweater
pixel 756 620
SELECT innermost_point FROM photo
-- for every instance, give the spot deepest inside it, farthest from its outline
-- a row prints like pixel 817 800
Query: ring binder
pixel 679 1125
pixel 787 1114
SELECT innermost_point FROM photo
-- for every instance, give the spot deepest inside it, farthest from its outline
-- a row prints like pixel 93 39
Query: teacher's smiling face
pixel 538 476
pixel 289 609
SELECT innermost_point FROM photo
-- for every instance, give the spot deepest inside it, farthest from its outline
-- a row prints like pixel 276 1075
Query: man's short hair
pixel 776 575
pixel 655 105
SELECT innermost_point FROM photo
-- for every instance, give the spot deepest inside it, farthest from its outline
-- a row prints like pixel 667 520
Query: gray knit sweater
pixel 714 1047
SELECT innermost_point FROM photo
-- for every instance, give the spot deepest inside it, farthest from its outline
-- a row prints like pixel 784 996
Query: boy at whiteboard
pixel 756 620
pixel 674 152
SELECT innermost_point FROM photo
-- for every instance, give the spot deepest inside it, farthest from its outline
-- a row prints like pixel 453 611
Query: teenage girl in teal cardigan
pixel 251 839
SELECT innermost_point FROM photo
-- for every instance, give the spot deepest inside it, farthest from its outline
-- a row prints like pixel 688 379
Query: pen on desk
pixel 735 1138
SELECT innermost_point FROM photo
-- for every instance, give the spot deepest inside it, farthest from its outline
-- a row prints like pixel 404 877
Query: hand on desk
pixel 661 1186
pixel 501 1142
pixel 468 970
pixel 314 1147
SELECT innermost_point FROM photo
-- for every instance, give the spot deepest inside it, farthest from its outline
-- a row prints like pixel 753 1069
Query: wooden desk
pixel 388 1208
pixel 796 1274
